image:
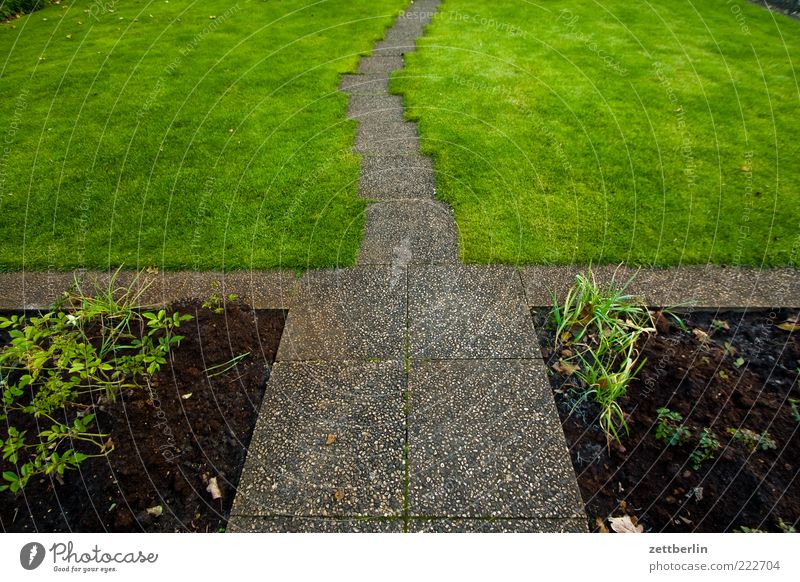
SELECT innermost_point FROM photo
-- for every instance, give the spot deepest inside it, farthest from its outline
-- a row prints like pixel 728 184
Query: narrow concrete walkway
pixel 409 393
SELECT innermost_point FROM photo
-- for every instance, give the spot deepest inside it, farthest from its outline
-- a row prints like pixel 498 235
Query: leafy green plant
pixel 795 410
pixel 215 301
pixel 670 427
pixel 59 365
pixel 705 449
pixel 602 327
pixel 752 440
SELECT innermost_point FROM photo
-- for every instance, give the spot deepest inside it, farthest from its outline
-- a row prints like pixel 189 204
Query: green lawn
pixel 181 134
pixel 647 132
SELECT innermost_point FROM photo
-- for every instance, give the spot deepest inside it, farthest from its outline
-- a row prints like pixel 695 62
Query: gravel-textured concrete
pixel 382 107
pixel 365 84
pixel 397 177
pixel 468 312
pixel 352 314
pixel 380 64
pixel 245 524
pixel 328 442
pixel 392 137
pixel 702 286
pixel 559 525
pixel 485 440
pixel 261 289
pixel 409 232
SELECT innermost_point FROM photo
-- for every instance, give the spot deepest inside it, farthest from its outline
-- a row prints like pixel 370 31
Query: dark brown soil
pixel 699 378
pixel 170 445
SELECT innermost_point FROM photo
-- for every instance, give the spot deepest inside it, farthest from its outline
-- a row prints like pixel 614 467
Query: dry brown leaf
pixel 213 488
pixel 601 525
pixel 790 325
pixel 702 336
pixel 339 495
pixel 186 396
pixel 331 439
pixel 155 511
pixel 625 524
pixel 565 368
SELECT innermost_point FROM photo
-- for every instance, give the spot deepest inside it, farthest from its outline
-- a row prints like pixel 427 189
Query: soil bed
pixel 749 383
pixel 194 427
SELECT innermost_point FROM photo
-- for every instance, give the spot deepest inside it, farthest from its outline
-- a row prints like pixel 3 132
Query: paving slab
pixel 398 138
pixel 374 136
pixel 560 525
pixel 409 232
pixel 392 177
pixel 703 285
pixel 380 64
pixel 377 84
pixel 243 524
pixel 468 312
pixel 352 314
pixel 328 442
pixel 382 107
pixel 485 440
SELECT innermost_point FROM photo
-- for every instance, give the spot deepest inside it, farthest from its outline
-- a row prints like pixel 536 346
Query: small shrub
pixel 752 440
pixel 705 449
pixel 86 350
pixel 10 8
pixel 670 428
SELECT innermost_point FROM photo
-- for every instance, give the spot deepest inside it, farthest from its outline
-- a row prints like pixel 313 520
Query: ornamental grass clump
pixel 598 333
pixel 58 367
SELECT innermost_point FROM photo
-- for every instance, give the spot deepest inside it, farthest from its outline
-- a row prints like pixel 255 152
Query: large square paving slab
pixel 560 525
pixel 350 314
pixel 243 524
pixel 468 312
pixel 392 177
pixel 328 442
pixel 408 232
pixel 485 440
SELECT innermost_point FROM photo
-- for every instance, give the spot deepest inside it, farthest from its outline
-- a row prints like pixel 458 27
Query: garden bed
pixel 191 429
pixel 726 371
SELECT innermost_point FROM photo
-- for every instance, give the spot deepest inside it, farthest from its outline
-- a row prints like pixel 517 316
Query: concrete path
pixel 408 393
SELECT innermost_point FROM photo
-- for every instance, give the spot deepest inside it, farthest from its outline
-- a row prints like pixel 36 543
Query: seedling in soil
pixel 751 440
pixel 215 301
pixel 87 350
pixel 707 445
pixel 225 367
pixel 670 427
pixel 786 527
pixel 795 410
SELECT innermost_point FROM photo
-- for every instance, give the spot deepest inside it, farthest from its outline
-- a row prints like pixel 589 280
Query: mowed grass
pixel 655 133
pixel 181 134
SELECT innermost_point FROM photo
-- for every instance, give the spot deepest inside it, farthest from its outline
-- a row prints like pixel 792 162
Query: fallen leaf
pixel 702 336
pixel 723 374
pixel 152 270
pixel 565 368
pixel 567 353
pixel 331 439
pixel 186 396
pixel 339 495
pixel 789 325
pixel 746 168
pixel 565 336
pixel 213 488
pixel 155 511
pixel 625 524
pixel 601 526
